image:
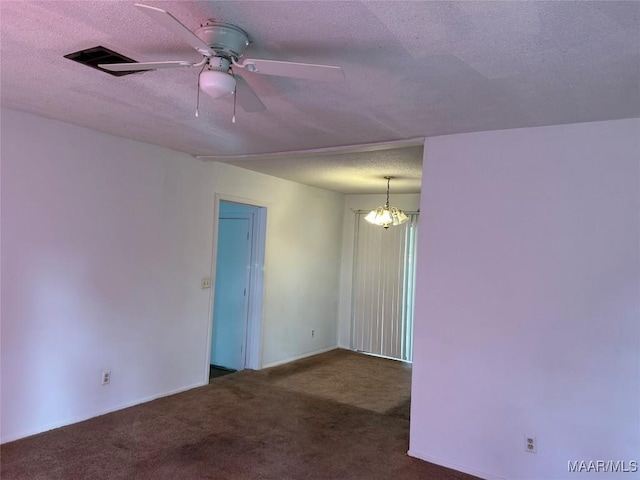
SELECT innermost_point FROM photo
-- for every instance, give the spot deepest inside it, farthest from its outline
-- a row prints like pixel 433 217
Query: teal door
pixel 231 287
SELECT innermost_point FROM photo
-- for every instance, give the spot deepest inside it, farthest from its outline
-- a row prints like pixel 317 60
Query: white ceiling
pixel 356 170
pixel 413 70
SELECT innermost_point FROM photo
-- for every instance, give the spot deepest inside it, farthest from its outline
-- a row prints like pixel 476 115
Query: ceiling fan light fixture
pixel 217 84
pixel 386 215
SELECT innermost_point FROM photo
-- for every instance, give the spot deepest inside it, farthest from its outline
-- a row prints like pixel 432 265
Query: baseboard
pixel 300 357
pixel 453 466
pixel 97 413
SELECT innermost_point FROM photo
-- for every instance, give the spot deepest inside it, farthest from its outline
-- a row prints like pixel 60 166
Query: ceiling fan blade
pixel 246 97
pixel 142 66
pixel 291 69
pixel 171 23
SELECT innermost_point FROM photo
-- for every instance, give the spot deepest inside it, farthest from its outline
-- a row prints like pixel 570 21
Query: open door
pixel 237 299
pixel 228 342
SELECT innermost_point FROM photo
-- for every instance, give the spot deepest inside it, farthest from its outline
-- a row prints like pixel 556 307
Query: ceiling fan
pixel 222 45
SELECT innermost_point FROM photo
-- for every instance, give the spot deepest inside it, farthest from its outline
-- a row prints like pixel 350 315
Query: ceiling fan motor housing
pixel 227 40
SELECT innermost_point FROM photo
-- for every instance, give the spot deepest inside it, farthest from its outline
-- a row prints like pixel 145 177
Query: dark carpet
pixel 339 415
pixel 215 371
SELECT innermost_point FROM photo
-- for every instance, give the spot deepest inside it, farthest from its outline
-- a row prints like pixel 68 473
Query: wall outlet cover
pixel 530 444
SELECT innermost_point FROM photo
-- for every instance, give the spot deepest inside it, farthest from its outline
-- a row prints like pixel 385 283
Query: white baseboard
pixel 453 466
pixel 299 357
pixel 97 413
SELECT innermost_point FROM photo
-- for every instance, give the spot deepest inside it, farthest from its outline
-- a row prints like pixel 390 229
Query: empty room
pixel 318 239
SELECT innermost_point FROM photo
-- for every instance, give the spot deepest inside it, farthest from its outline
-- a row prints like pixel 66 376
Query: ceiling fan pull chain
pixel 198 98
pixel 204 65
pixel 235 91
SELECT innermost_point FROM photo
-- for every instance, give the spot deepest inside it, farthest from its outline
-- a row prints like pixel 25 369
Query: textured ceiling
pixel 413 70
pixel 351 170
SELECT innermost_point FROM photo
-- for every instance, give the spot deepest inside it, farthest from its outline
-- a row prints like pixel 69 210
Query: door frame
pixel 253 357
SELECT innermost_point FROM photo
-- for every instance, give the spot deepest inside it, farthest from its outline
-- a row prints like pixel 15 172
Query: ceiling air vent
pixel 96 55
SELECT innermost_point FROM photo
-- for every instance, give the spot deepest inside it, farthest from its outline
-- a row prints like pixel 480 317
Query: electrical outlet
pixel 205 283
pixel 530 444
pixel 106 377
pixel 313 333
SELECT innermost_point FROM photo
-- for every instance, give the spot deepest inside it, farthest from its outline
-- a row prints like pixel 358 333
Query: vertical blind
pixel 383 288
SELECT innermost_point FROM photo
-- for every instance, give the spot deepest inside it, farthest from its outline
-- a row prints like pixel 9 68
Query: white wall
pixel 104 244
pixel 353 204
pixel 302 260
pixel 527 318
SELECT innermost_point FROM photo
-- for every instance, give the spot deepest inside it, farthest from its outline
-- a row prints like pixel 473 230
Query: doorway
pixel 237 287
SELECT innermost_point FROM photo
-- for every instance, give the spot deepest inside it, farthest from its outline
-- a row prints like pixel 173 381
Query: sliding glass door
pixel 383 288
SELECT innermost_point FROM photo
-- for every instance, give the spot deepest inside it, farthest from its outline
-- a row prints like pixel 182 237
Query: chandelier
pixel 385 216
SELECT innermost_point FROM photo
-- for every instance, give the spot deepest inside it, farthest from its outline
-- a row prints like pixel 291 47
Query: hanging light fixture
pixel 386 215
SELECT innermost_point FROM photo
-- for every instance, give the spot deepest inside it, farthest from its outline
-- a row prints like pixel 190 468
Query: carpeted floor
pixel 215 372
pixel 339 415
